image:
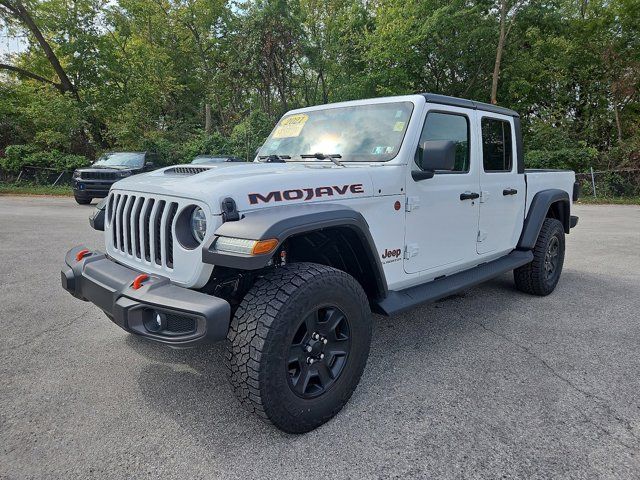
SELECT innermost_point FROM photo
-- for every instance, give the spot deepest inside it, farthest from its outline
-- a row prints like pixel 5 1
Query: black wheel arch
pixel 325 233
pixel 551 203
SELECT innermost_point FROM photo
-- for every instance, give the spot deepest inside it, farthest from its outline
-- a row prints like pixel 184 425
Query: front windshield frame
pixel 359 157
pixel 121 159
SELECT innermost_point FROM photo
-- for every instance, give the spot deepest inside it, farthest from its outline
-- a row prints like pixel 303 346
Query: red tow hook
pixel 137 282
pixel 82 253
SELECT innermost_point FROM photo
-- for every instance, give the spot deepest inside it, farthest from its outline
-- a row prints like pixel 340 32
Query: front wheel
pixel 298 345
pixel 541 276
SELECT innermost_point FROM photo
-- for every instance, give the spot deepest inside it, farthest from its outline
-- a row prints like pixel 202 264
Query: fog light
pixel 156 322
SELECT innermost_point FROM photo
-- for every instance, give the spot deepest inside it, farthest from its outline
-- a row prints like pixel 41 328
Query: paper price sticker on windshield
pixel 398 127
pixel 291 126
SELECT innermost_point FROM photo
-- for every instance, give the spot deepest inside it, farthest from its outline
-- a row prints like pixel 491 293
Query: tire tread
pixel 249 332
pixel 530 277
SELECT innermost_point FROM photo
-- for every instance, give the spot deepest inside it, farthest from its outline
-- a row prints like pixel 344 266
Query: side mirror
pixel 149 165
pixel 435 155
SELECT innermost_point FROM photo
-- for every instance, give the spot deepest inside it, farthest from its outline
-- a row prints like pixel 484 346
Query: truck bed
pixel 543 179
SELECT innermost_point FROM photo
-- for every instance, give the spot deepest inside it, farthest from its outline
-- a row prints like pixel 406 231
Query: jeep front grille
pixel 97 175
pixel 142 227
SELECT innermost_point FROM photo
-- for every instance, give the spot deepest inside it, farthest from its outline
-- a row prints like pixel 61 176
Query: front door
pixel 502 188
pixel 442 213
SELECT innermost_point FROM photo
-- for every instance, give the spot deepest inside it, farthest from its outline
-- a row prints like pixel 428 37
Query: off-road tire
pixel 532 278
pixel 83 200
pixel 260 332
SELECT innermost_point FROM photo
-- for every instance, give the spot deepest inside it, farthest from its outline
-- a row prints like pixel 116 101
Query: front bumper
pixel 92 188
pixel 188 317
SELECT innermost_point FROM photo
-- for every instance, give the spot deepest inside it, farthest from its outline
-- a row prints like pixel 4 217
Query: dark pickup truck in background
pixel 96 180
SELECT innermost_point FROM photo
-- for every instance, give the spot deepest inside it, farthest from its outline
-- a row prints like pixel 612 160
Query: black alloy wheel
pixel 551 258
pixel 318 352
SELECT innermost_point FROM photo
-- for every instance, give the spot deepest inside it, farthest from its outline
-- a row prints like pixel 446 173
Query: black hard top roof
pixel 464 103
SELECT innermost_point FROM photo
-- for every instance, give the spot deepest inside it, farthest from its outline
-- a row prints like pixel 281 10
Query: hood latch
pixel 229 210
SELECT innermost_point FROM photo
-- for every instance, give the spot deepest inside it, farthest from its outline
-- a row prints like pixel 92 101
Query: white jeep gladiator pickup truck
pixel 373 205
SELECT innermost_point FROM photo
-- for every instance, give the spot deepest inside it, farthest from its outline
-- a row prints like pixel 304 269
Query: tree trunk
pixel 583 8
pixel 20 12
pixel 618 122
pixel 501 42
pixel 325 94
pixel 25 17
pixel 207 118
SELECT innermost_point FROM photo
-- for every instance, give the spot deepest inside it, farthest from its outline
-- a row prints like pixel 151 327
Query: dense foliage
pixel 183 77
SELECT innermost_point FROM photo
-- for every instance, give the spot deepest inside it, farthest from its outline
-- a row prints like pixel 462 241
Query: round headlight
pixel 198 224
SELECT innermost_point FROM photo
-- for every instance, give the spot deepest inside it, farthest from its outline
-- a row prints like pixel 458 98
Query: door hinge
pixel 411 250
pixel 413 203
pixel 484 196
pixel 481 235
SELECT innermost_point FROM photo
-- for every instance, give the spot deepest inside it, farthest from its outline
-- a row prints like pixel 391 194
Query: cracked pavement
pixel 490 383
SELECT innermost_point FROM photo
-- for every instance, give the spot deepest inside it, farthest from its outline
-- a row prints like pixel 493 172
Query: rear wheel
pixel 83 200
pixel 298 345
pixel 541 276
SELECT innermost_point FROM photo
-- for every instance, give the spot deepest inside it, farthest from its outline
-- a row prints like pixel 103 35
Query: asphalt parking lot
pixel 488 384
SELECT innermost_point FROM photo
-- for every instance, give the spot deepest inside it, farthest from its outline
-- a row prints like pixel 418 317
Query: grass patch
pixel 609 200
pixel 27 189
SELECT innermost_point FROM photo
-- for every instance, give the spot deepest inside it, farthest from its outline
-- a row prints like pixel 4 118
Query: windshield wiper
pixel 274 158
pixel 322 156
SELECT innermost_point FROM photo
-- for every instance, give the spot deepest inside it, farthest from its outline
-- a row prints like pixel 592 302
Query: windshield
pixel 121 159
pixel 362 133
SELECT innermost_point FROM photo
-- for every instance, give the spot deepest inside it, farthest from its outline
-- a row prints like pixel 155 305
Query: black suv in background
pixel 96 180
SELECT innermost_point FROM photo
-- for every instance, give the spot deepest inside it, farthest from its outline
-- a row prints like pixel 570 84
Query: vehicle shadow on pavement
pixel 193 386
pixel 429 364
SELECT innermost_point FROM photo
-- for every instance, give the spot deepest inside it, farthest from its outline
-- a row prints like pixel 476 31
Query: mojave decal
pixel 304 193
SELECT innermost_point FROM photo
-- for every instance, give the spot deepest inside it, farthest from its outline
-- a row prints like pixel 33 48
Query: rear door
pixel 442 212
pixel 502 196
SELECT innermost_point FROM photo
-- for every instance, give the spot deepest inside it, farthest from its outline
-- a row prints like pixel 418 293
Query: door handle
pixel 509 191
pixel 469 196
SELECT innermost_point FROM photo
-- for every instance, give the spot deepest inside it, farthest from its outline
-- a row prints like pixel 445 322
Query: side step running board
pixel 402 300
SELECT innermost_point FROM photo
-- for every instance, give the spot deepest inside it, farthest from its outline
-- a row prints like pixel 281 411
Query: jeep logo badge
pixel 391 253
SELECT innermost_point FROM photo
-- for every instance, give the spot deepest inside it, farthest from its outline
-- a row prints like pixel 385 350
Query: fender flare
pixel 540 205
pixel 283 222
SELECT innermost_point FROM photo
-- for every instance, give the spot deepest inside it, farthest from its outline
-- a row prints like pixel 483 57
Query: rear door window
pixel 497 147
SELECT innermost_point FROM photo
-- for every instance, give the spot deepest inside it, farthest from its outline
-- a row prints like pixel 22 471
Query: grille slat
pixel 121 201
pixel 134 244
pixel 126 224
pixel 114 209
pixel 137 227
pixel 152 231
pixel 146 230
pixel 142 228
pixel 173 208
pixel 157 229
pixel 121 219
